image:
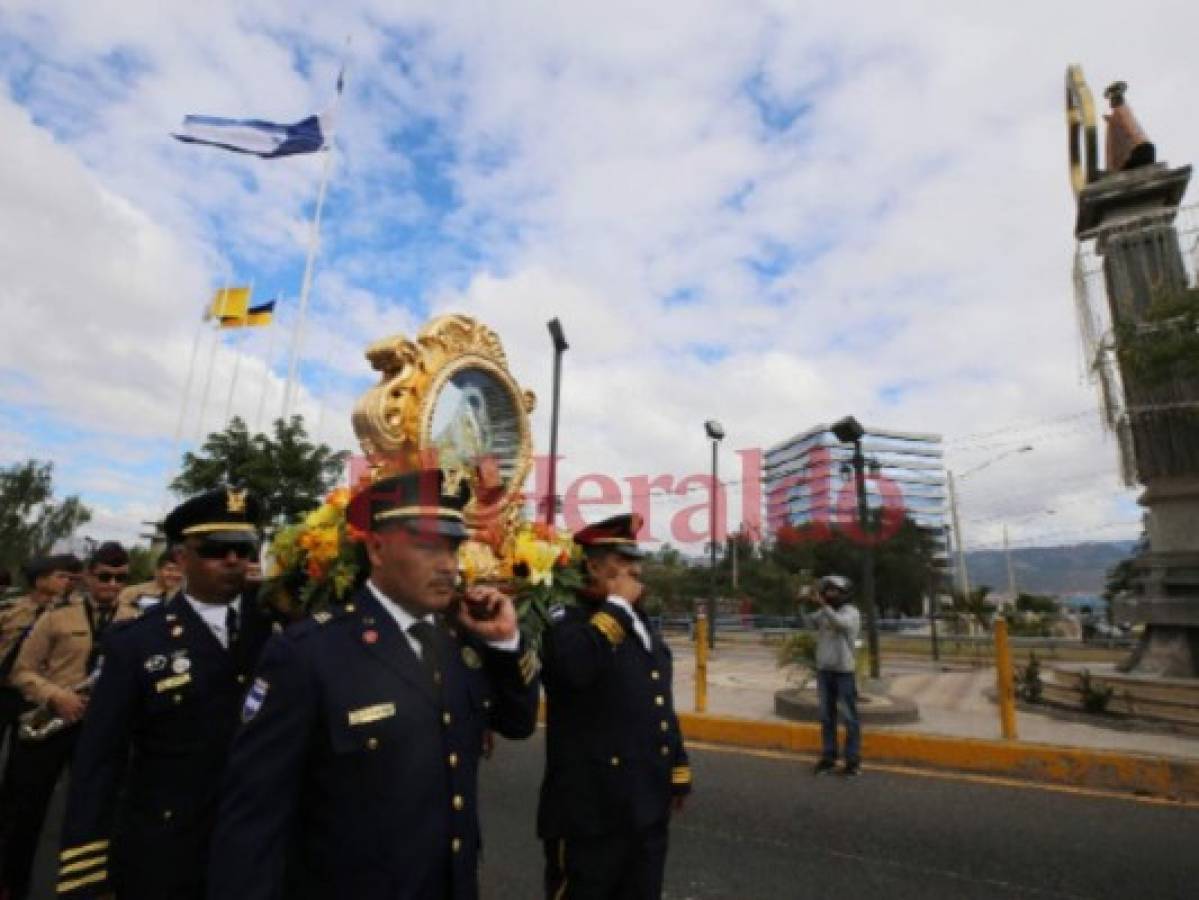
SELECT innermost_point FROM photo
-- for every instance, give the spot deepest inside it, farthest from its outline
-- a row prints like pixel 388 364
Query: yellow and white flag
pixel 229 306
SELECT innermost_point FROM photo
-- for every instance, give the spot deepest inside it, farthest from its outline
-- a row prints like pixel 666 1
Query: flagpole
pixel 266 377
pixel 306 287
pixel 216 339
pixel 187 392
pixel 238 341
pixel 297 334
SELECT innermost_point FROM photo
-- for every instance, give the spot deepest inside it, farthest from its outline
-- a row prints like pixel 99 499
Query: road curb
pixel 1168 777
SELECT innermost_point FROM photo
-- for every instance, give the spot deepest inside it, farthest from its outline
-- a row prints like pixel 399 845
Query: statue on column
pixel 1138 304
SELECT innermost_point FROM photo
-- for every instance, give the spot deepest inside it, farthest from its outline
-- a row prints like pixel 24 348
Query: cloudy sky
pixel 770 213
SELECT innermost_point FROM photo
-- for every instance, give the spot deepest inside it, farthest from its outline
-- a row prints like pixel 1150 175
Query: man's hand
pixel 488 613
pixel 69 706
pixel 625 585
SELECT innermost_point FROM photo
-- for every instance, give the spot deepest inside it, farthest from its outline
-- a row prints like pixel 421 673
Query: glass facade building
pixel 808 479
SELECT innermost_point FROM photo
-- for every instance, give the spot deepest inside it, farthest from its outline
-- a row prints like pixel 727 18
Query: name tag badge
pixel 368 714
pixel 166 684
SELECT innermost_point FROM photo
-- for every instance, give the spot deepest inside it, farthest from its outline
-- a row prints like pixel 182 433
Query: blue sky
pixel 770 213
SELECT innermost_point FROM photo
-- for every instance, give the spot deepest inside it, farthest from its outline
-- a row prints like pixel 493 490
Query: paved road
pixel 760 826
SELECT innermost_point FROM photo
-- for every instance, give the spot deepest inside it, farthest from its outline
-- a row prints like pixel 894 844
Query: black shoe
pixel 824 767
pixel 852 769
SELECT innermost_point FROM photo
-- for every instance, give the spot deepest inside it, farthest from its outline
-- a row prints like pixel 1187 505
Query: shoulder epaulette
pixel 609 626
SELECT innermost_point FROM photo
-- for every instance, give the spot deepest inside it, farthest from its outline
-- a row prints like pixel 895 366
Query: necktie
pixel 231 626
pixel 426 637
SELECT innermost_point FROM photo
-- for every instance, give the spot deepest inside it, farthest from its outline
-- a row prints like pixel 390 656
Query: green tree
pixel 1036 603
pixel 905 564
pixel 30 520
pixel 288 473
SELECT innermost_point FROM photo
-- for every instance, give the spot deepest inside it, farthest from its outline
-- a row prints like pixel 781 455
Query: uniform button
pixel 241 679
pixel 665 750
pixel 616 760
pixel 178 698
pixel 655 674
pixel 437 678
pixel 453 760
pixel 446 718
pixel 487 704
pixel 372 743
pixel 458 802
pixel 456 844
pixel 665 725
pixel 660 700
pixel 167 815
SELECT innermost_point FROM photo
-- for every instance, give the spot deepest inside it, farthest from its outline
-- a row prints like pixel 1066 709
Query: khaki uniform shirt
pixel 54 657
pixel 130 595
pixel 14 619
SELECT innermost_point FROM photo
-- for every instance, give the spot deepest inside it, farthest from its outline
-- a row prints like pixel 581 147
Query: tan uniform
pixel 130 595
pixel 54 657
pixel 14 619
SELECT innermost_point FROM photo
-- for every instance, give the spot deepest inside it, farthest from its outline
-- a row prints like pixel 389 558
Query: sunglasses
pixel 221 549
pixel 111 577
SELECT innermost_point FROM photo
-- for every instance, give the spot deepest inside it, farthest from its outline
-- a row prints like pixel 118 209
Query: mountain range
pixel 1071 569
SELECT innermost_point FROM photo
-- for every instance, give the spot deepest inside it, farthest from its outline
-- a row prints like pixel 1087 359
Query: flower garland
pixel 317 563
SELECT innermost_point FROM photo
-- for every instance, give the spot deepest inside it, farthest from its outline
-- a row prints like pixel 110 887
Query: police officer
pixel 615 762
pixel 164 584
pixel 363 728
pixel 163 714
pixel 52 671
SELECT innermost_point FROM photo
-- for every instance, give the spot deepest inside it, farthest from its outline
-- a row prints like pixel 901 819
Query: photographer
pixel 837 623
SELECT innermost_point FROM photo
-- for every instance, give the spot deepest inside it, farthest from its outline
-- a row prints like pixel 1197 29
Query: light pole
pixel 560 347
pixel 715 431
pixel 959 537
pixel 850 431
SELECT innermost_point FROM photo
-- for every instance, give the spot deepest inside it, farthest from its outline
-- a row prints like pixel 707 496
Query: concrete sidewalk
pixel 743 677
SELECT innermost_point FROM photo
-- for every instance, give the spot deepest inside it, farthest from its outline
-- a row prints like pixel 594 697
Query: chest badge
pixel 370 636
pixel 255 697
pixel 177 631
pixel 180 664
pixel 471 658
pixel 156 663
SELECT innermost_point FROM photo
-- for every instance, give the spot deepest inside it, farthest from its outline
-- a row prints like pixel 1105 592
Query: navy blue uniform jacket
pixel 147 771
pixel 614 752
pixel 351 750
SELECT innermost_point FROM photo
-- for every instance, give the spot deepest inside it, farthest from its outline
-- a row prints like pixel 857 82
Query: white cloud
pixel 602 159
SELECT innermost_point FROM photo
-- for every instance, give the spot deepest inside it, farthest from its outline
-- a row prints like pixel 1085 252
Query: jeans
pixel 839 688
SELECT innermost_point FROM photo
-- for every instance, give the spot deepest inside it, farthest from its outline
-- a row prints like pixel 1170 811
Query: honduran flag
pixel 268 140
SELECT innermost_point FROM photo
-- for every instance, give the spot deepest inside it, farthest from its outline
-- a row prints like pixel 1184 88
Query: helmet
pixel 840 582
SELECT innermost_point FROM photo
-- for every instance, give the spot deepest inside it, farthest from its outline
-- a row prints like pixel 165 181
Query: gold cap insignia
pixel 235 501
pixel 451 482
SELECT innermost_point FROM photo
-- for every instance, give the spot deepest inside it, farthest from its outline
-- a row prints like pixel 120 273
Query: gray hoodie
pixel 836 633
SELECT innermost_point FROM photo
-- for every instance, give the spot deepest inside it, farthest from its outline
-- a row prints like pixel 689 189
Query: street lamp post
pixel 850 431
pixel 715 431
pixel 560 347
pixel 963 578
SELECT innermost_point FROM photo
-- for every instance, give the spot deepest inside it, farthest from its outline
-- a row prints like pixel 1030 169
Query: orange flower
pixel 339 497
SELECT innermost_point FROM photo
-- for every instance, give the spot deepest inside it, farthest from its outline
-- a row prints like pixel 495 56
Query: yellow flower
pixel 538 556
pixel 322 517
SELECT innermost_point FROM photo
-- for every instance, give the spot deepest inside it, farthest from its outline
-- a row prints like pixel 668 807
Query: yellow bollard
pixel 701 664
pixel 1005 681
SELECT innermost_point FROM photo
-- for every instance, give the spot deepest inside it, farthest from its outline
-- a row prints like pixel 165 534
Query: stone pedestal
pixel 1167 599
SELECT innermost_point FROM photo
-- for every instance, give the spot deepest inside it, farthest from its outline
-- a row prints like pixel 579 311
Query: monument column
pixel 1139 308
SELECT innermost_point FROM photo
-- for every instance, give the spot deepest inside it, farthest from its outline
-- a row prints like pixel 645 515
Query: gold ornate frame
pixel 393 419
pixel 1082 131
